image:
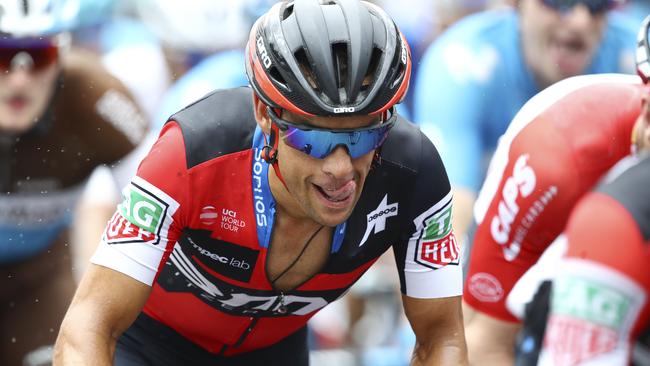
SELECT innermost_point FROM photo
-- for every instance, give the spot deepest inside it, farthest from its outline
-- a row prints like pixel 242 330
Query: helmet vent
pixel 375 59
pixel 303 63
pixel 340 55
pixel 277 77
pixel 287 11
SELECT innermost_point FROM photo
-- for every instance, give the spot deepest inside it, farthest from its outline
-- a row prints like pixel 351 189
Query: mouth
pixel 17 102
pixel 336 197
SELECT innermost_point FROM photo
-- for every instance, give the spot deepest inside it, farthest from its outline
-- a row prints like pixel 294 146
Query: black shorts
pixel 149 342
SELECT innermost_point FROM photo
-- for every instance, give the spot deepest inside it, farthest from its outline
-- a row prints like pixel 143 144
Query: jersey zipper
pixel 282 309
pixel 242 337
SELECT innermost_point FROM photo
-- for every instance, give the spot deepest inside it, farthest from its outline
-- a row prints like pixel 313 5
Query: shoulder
pixel 91 94
pixel 405 146
pixel 84 68
pixel 579 97
pixel 220 123
pixel 632 190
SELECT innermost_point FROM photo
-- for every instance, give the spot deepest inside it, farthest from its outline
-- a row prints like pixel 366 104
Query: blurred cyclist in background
pixel 61 114
pixel 477 75
pixel 561 143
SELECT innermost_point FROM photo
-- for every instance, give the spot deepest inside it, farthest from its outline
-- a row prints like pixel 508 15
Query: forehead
pixel 347 122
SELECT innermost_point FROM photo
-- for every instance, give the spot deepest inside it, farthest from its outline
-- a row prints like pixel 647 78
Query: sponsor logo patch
pixel 227 259
pixel 143 216
pixel 518 186
pixel 485 287
pixel 438 246
pixel 586 320
pixel 574 341
pixel 376 220
pixel 208 215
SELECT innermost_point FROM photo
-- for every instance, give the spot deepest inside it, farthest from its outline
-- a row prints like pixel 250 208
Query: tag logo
pixel 377 218
pixel 143 216
pixel 586 321
pixel 438 246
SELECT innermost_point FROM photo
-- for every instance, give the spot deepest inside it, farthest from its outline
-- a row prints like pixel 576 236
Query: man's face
pixel 558 44
pixel 27 78
pixel 326 190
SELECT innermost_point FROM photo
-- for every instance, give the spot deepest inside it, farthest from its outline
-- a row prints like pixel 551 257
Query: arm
pixel 490 341
pixel 438 327
pixel 105 305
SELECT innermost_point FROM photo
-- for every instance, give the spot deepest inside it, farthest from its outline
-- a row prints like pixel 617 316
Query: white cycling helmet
pixel 36 18
pixel 199 25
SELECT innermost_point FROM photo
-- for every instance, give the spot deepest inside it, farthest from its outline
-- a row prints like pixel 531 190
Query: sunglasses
pixel 320 142
pixel 37 52
pixel 595 7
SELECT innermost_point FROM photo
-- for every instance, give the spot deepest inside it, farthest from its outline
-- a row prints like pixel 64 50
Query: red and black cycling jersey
pixel 195 224
pixel 556 149
pixel 599 302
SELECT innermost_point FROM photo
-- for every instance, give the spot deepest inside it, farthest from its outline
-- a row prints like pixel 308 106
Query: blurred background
pixel 170 53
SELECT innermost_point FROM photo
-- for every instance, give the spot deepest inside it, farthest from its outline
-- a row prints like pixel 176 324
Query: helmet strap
pixel 270 152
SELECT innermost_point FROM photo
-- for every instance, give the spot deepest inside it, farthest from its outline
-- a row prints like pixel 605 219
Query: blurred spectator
pixel 61 115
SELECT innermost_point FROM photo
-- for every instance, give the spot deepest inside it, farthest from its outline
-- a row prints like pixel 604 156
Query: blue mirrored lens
pixel 319 143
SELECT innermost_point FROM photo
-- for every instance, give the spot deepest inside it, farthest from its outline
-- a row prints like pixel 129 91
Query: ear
pixel 261 114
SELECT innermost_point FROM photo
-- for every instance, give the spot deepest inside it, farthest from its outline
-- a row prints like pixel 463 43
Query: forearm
pixel 87 231
pixel 79 344
pixel 448 351
pixel 490 341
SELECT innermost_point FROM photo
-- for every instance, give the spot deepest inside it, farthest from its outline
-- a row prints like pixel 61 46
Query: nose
pixel 338 165
pixel 579 17
pixel 18 77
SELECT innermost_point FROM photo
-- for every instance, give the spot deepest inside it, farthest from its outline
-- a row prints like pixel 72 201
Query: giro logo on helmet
pixel 403 53
pixel 344 110
pixel 266 60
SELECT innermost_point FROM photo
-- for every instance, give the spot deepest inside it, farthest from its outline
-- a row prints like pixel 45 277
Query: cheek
pixel 43 86
pixel 293 162
pixel 362 164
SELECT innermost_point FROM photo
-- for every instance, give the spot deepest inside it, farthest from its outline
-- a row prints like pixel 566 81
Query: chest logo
pixel 376 221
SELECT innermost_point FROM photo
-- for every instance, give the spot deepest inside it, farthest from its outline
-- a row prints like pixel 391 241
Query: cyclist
pixel 478 74
pixel 599 298
pixel 256 208
pixel 559 145
pixel 60 116
pixel 598 305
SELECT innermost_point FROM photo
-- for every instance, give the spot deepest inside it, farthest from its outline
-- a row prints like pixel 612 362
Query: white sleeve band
pixel 442 282
pixel 130 263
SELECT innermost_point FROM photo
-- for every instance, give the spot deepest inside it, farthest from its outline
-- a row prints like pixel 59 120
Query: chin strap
pixel 270 152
